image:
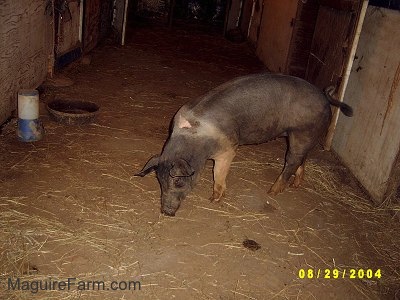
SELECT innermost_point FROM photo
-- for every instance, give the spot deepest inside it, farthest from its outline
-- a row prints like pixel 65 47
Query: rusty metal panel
pixel 303 31
pixel 26 47
pixel 91 29
pixel 330 47
pixel 369 142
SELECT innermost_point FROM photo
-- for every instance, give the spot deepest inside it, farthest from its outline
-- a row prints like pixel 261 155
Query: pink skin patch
pixel 183 123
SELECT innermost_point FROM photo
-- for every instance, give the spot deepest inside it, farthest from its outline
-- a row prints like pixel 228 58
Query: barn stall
pixel 71 207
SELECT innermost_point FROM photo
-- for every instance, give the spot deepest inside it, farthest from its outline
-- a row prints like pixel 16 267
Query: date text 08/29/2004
pixel 336 273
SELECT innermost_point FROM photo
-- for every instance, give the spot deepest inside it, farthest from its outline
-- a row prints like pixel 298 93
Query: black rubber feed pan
pixel 72 112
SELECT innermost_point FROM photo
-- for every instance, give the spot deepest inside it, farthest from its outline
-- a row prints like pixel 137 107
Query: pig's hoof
pixel 216 197
pixel 218 193
pixel 272 192
pixel 212 199
pixel 276 189
pixel 295 184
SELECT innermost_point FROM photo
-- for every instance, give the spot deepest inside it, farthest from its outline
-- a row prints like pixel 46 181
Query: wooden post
pixel 124 23
pixel 343 85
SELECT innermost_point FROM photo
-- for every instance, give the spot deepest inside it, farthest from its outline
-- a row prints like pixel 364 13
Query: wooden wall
pixel 369 142
pixel 97 21
pixel 302 37
pixel 244 22
pixel 330 46
pixel 68 31
pixel 106 14
pixel 233 14
pixel 310 39
pixel 92 17
pixel 275 33
pixel 255 20
pixel 119 19
pixel 26 47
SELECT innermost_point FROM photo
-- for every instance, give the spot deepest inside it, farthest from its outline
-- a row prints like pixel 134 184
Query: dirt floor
pixel 71 207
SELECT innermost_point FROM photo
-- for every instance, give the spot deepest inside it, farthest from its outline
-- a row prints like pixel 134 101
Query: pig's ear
pixel 181 168
pixel 183 122
pixel 151 165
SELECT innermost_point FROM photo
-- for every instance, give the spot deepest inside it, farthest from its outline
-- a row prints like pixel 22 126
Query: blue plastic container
pixel 30 129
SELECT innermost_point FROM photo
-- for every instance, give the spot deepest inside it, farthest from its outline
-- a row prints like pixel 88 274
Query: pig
pixel 251 109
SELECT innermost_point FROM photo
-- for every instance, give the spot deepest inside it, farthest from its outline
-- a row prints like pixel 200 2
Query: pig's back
pixel 256 108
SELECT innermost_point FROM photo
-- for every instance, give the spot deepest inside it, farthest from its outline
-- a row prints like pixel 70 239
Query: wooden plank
pixel 233 7
pixel 105 18
pixel 349 5
pixel 330 47
pixel 68 31
pixel 276 33
pixel 303 32
pixel 91 29
pixel 245 16
pixel 392 194
pixel 26 43
pixel 119 18
pixel 255 22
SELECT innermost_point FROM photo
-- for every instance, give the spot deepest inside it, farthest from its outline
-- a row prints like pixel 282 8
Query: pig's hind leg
pixel 222 163
pixel 299 144
pixel 299 175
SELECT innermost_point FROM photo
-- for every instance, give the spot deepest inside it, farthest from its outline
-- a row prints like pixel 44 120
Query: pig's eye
pixel 179 182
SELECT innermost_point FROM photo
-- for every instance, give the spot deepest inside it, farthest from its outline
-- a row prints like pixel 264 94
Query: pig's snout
pixel 170 204
pixel 168 212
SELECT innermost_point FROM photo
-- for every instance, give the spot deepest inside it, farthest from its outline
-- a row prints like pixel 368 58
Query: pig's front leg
pixel 222 163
